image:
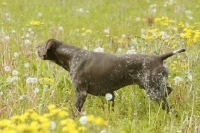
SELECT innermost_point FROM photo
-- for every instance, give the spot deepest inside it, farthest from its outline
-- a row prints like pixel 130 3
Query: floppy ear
pixel 49 43
pixel 43 49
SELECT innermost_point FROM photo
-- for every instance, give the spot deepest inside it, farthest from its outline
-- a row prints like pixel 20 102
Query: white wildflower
pixel 7 68
pixel 143 30
pixel 85 47
pixel 36 90
pixel 9 79
pixel 175 29
pixel 26 65
pixel 34 80
pixel 123 35
pixel 107 31
pixel 40 14
pixel 137 19
pixel 131 51
pixel 27 42
pixel 22 97
pixel 53 125
pixel 83 120
pixel 13 31
pixel 15 78
pixel 109 96
pixel 14 72
pixel 189 77
pixel 29 80
pixel 99 49
pixel 29 29
pixel 83 113
pixel 7 37
pixel 177 80
pixel 119 50
pixel 80 10
pixel 77 30
pixel 103 131
pixel 16 54
pixel 27 35
pixel 60 28
pixel 154 10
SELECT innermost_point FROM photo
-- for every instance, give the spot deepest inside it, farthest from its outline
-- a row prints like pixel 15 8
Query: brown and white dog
pixel 101 73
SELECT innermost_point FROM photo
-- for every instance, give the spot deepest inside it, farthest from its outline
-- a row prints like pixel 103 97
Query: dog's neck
pixel 64 55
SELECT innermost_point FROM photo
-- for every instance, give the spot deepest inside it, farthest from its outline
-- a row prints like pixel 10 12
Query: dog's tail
pixel 165 56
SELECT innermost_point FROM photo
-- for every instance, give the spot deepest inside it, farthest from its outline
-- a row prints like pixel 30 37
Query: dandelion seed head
pixel 9 79
pixel 123 35
pixel 13 31
pixel 29 29
pixel 7 37
pixel 103 131
pixel 83 120
pixel 189 77
pixel 85 47
pixel 15 78
pixel 27 35
pixel 107 31
pixel 53 125
pixel 36 90
pixel 60 28
pixel 99 49
pixel 34 80
pixel 28 80
pixel 177 80
pixel 14 72
pixel 7 68
pixel 40 14
pixel 154 10
pixel 131 51
pixel 16 54
pixel 143 30
pixel 137 19
pixel 27 42
pixel 109 96
pixel 80 10
pixel 26 65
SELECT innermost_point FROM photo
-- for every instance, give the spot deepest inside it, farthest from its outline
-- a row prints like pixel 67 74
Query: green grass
pixel 82 24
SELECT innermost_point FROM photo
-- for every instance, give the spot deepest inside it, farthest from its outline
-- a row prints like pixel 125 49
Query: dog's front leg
pixel 80 99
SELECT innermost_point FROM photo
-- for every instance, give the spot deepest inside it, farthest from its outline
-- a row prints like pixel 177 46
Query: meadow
pixel 38 96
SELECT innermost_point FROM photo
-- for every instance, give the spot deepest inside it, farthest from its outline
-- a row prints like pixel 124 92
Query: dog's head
pixel 45 51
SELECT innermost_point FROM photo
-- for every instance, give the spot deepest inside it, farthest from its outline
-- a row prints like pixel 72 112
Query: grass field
pixel 38 96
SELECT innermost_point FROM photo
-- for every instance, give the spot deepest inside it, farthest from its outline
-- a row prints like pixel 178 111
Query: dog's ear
pixel 43 49
pixel 49 44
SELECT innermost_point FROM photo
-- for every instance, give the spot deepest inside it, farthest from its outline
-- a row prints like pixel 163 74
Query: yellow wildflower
pixel 88 31
pixel 35 23
pixel 82 34
pixel 46 81
pixel 4 3
pixel 21 127
pixel 181 25
pixel 107 35
pixel 51 107
pixel 63 114
pixel 97 120
pixel 120 41
pixel 82 128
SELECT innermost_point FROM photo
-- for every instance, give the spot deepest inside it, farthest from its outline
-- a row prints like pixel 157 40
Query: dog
pixel 100 73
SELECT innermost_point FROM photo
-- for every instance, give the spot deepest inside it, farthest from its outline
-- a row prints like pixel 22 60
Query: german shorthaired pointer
pixel 101 73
